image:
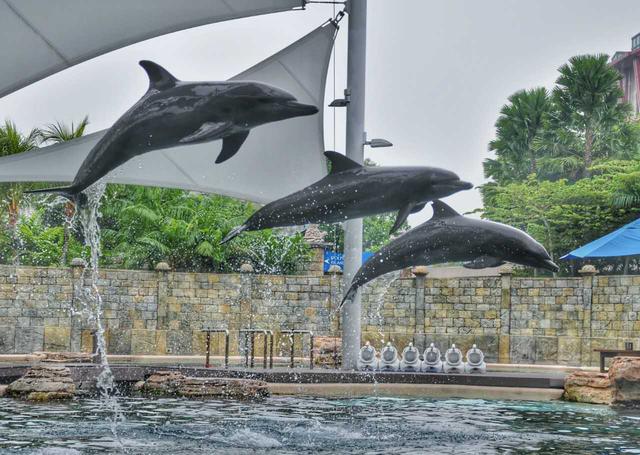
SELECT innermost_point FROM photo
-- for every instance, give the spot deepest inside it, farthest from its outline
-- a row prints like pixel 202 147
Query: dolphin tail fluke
pixel 69 192
pixel 348 297
pixel 234 233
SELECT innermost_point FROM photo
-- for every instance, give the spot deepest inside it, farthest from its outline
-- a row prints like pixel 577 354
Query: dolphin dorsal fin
pixel 340 162
pixel 159 78
pixel 442 210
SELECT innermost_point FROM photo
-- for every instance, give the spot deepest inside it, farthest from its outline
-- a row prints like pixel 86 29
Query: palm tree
pixel 11 143
pixel 60 132
pixel 587 99
pixel 56 133
pixel 519 124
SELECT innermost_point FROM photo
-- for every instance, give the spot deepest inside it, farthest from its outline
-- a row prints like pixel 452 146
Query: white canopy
pixel 41 37
pixel 277 158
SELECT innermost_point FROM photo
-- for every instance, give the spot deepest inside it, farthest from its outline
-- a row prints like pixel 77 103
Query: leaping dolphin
pixel 173 112
pixel 354 191
pixel 448 237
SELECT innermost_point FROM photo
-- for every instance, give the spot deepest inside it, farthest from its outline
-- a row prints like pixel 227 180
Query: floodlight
pixel 377 143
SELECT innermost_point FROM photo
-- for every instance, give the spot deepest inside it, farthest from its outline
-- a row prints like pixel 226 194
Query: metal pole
pixel 271 348
pixel 356 65
pixel 246 349
pixel 311 350
pixel 264 349
pixel 253 343
pixel 226 349
pixel 206 362
pixel 293 342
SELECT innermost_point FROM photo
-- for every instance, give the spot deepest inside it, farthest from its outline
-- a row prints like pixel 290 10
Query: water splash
pixel 88 296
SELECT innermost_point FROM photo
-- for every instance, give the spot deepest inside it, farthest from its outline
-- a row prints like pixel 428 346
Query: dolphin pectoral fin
pixel 230 145
pixel 416 208
pixel 207 131
pixel 402 217
pixel 483 262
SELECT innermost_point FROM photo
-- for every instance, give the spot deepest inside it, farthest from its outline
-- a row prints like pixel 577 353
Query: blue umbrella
pixel 621 242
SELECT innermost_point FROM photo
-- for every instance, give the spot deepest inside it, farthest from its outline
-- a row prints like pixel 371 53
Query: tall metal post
pixel 356 65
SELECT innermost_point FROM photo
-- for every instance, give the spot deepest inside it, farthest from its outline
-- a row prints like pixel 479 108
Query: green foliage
pixel 560 214
pixel 142 226
pixel 41 244
pixel 519 124
pixel 561 136
pixel 565 167
pixel 61 132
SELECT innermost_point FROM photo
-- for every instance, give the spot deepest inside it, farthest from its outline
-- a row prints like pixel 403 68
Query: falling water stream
pixel 88 296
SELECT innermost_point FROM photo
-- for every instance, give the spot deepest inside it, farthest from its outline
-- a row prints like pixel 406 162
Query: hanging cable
pixel 334 83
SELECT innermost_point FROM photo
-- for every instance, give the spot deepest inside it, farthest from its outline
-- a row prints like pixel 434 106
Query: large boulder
pixel 625 377
pixel 171 383
pixel 43 383
pixel 588 387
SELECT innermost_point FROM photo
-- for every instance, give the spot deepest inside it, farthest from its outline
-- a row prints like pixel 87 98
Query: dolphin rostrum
pixel 173 112
pixel 354 191
pixel 451 237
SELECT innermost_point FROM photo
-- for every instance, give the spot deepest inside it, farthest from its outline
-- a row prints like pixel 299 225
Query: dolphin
pixel 354 191
pixel 448 237
pixel 174 112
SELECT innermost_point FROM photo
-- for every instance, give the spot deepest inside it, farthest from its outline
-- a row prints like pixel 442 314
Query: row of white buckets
pixel 431 361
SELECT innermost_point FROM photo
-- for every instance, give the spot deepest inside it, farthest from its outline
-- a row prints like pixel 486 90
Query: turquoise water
pixel 295 425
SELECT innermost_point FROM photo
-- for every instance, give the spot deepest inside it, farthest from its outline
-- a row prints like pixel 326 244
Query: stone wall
pixel 512 319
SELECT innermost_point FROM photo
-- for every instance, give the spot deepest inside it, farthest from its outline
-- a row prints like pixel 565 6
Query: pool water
pixel 295 425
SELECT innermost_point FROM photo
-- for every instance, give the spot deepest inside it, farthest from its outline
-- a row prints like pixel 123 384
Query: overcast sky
pixel 438 71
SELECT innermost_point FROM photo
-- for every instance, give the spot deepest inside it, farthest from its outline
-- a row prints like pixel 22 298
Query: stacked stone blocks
pixel 513 319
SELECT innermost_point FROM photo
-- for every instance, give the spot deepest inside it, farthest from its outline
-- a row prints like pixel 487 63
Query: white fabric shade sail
pixel 42 37
pixel 277 158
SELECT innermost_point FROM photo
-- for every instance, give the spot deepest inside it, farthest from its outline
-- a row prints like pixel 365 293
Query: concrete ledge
pixel 198 360
pixel 416 391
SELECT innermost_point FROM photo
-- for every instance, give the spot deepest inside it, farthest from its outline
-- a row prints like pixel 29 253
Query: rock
pixel 3 390
pixel 63 357
pixel 327 351
pixel 241 389
pixel 588 387
pixel 43 383
pixel 246 268
pixel 138 386
pixel 170 383
pixel 420 270
pixel 163 383
pixel 624 374
pixel 163 267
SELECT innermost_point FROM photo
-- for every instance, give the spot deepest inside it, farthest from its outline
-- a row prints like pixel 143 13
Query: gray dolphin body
pixel 451 237
pixel 354 191
pixel 173 112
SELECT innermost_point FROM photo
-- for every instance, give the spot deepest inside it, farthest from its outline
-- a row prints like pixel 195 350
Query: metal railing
pixel 249 335
pixel 209 331
pixel 292 334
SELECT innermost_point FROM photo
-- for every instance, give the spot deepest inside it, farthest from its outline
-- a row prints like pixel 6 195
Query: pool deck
pixel 530 382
